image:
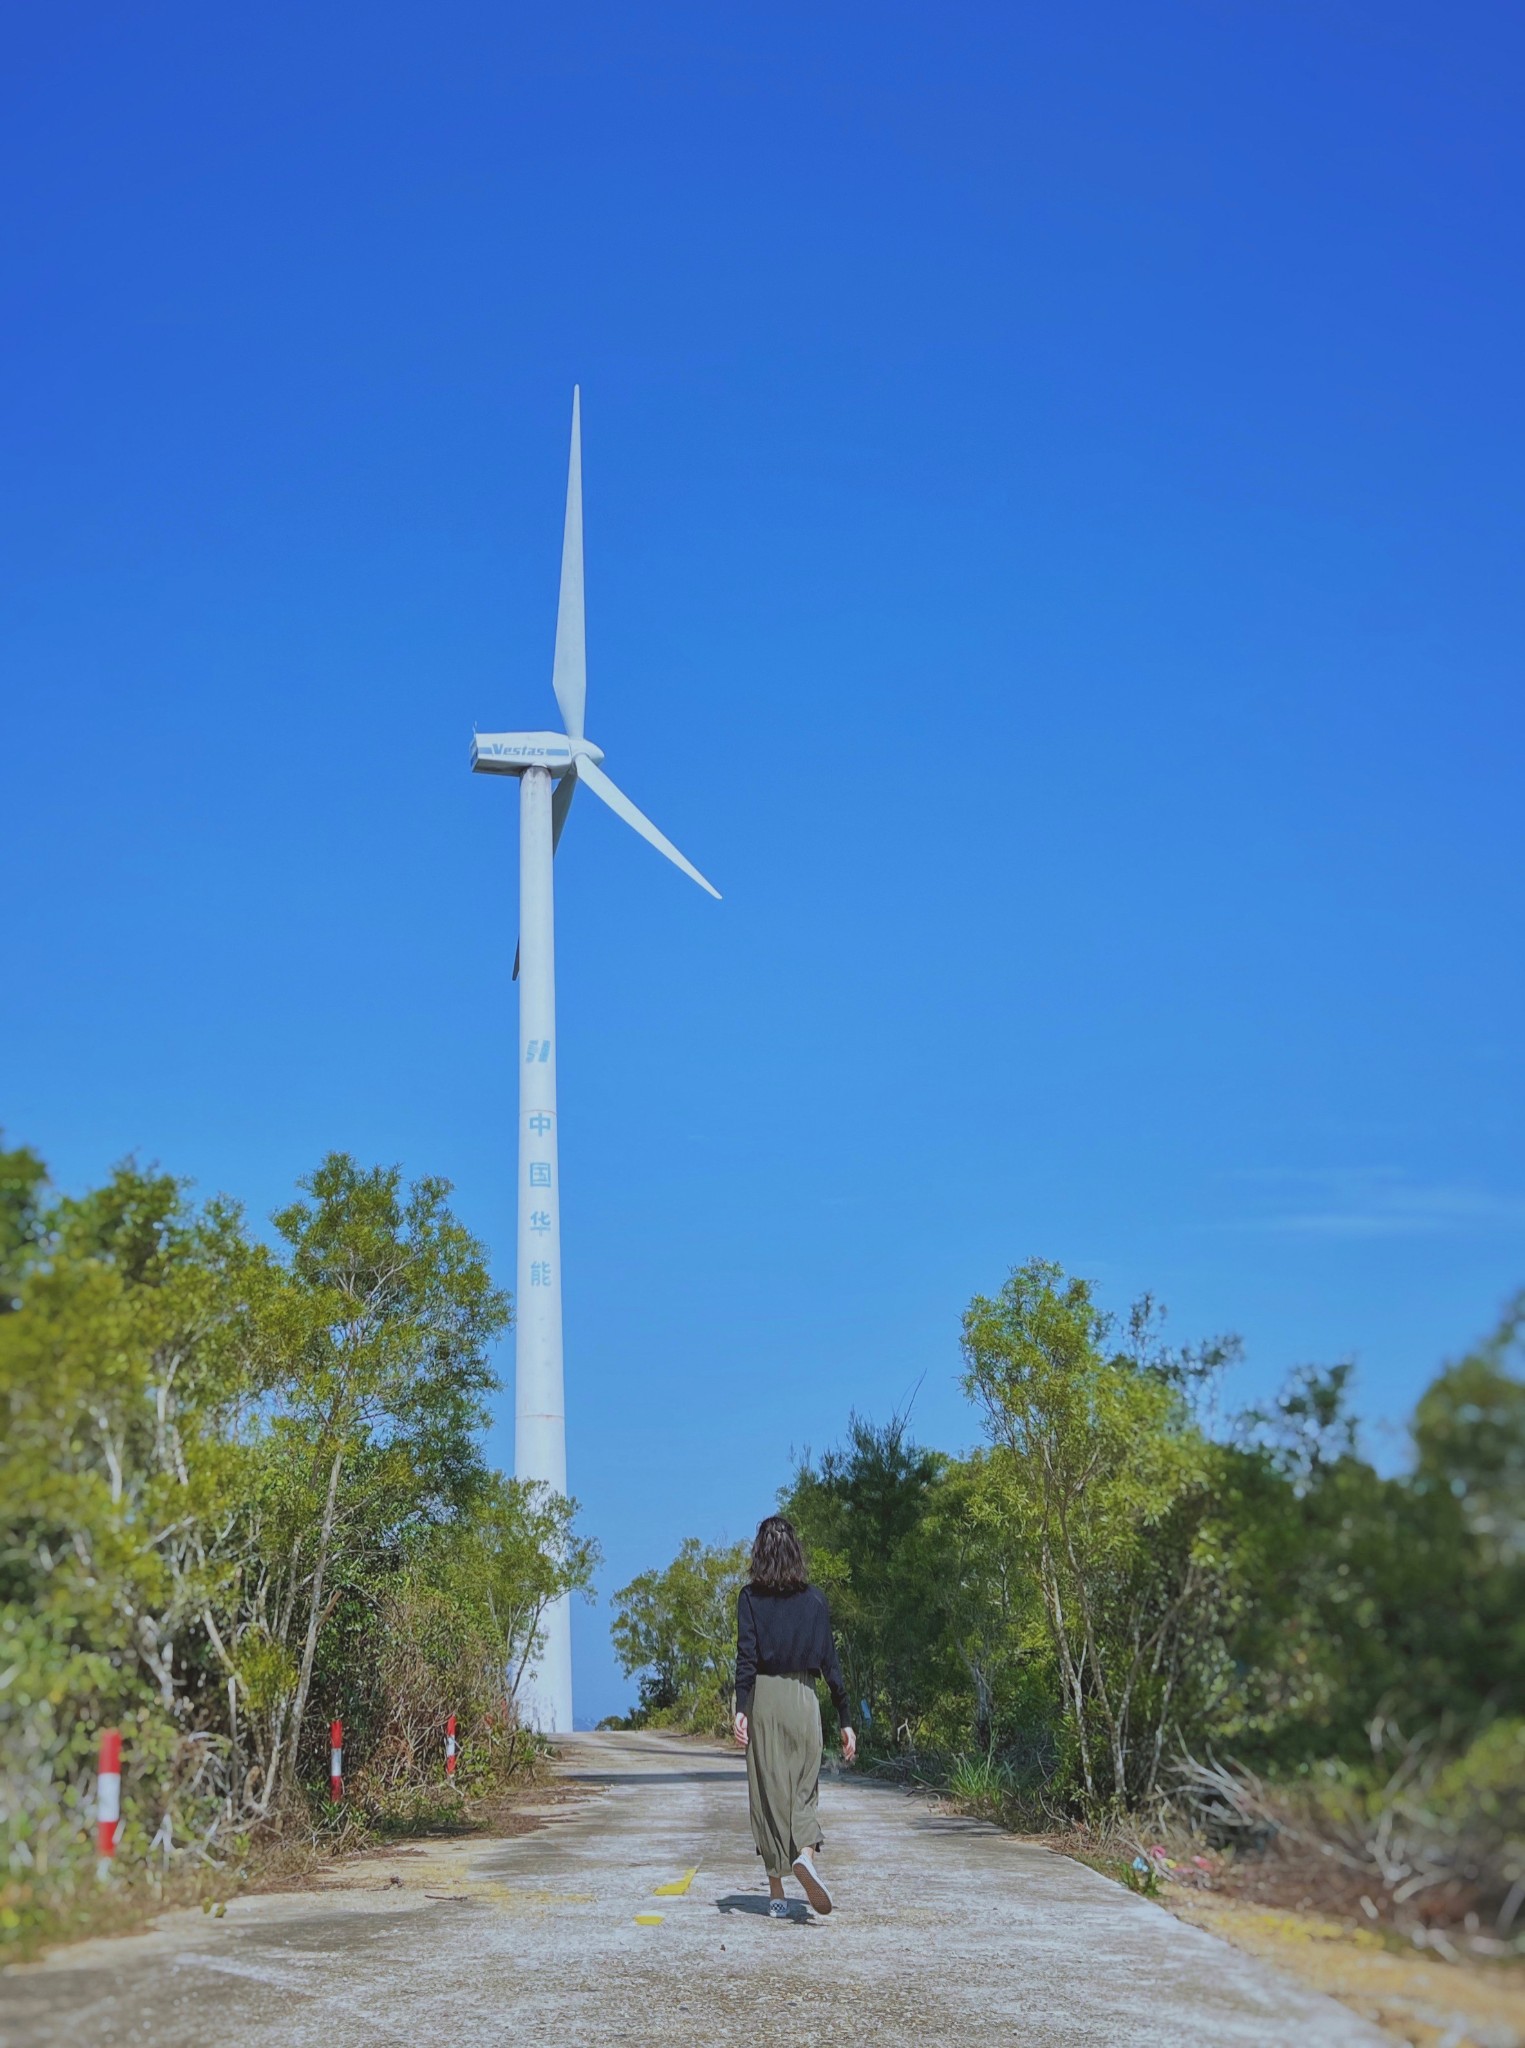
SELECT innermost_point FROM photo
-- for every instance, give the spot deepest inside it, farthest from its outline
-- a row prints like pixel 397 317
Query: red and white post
pixel 336 1760
pixel 450 1746
pixel 108 1800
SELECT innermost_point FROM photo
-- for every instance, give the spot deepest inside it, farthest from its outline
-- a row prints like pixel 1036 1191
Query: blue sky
pixel 1055 510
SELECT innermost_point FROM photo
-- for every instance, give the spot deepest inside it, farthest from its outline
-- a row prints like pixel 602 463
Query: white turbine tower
pixel 550 766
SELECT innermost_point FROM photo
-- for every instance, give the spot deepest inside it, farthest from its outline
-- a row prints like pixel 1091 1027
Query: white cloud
pixel 1370 1201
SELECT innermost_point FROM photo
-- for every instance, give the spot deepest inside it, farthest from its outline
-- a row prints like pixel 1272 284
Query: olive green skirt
pixel 784 1768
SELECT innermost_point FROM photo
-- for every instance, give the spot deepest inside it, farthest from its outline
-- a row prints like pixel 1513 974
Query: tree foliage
pixel 1117 1577
pixel 676 1628
pixel 882 1557
pixel 242 1491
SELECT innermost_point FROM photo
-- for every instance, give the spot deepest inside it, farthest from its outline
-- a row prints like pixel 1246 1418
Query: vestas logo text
pixel 497 751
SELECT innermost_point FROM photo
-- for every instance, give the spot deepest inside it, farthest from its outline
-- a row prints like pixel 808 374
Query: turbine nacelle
pixel 510 753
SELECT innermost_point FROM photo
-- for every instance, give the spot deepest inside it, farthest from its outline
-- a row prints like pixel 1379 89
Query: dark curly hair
pixel 778 1559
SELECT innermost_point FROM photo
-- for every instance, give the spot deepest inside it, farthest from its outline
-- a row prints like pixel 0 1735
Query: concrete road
pixel 947 1933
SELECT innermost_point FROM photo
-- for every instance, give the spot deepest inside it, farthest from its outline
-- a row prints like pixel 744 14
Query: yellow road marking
pixel 678 1887
pixel 648 1919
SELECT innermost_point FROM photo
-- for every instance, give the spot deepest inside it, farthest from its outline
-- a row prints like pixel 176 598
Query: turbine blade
pixel 569 672
pixel 561 803
pixel 622 807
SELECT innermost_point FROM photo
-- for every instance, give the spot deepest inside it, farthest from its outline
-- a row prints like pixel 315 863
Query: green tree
pixel 241 1488
pixel 1469 1438
pixel 1360 1595
pixel 371 1429
pixel 453 1631
pixel 23 1182
pixel 517 1551
pixel 1103 1478
pixel 124 1376
pixel 677 1629
pixel 1006 1696
pixel 887 1566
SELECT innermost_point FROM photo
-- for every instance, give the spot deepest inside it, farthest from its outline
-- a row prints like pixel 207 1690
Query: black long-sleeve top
pixel 779 1632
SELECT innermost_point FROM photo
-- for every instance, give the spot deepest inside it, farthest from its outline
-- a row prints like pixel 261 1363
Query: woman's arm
pixel 831 1668
pixel 746 1651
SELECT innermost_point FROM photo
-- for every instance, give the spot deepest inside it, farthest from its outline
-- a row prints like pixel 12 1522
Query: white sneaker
pixel 778 1909
pixel 810 1879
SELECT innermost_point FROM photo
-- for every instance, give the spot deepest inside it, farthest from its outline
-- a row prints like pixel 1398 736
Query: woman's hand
pixel 849 1745
pixel 741 1730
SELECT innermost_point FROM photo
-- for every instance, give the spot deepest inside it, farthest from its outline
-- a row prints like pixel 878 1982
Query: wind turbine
pixel 551 766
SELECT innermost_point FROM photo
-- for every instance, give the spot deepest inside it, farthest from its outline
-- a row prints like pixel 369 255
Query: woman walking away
pixel 783 1644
